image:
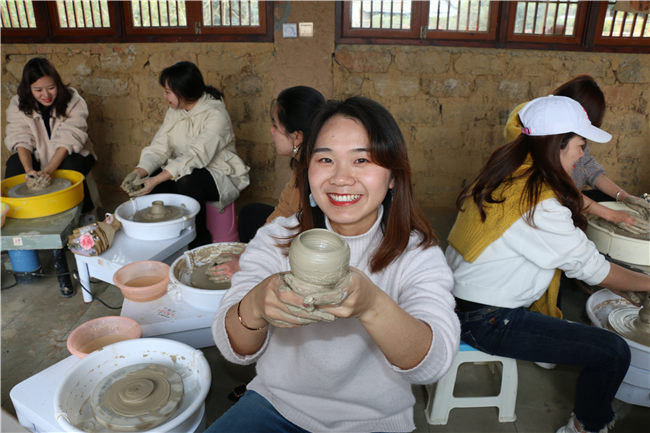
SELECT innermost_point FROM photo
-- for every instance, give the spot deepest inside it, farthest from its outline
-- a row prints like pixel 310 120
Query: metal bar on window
pixel 566 18
pixel 535 18
pixel 467 18
pixel 26 14
pixel 448 11
pixel 555 12
pixel 633 25
pixel 82 13
pixel 545 18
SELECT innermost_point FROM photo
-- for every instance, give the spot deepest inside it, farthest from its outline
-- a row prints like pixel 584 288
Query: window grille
pixel 459 15
pixel 83 14
pixel 546 18
pixel 17 14
pixel 381 14
pixel 625 24
pixel 231 13
pixel 158 13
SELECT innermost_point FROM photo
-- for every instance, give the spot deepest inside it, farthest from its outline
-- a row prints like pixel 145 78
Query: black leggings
pixel 251 217
pixel 201 187
pixel 74 161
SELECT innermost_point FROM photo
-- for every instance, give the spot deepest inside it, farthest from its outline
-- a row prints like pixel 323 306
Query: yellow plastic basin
pixel 46 204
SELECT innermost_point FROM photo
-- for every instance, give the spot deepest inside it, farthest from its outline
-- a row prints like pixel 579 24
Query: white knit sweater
pixel 331 377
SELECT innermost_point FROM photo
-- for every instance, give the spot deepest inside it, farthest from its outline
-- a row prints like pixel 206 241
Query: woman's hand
pixel 638 204
pixel 148 184
pixel 225 271
pixel 272 304
pixel 362 295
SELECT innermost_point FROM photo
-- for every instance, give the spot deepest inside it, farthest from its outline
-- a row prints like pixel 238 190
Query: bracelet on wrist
pixel 244 324
pixel 618 193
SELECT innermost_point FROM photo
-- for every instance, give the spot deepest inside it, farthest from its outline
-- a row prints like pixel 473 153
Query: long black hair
pixel 34 70
pixel 186 81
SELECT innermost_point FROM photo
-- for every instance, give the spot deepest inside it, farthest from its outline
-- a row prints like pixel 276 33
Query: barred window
pixel 567 24
pixel 136 20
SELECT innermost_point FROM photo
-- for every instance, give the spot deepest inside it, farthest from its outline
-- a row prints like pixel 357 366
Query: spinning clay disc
pixel 138 397
pixel 21 190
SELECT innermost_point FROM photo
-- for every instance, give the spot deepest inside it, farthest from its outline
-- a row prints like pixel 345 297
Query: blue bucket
pixel 23 263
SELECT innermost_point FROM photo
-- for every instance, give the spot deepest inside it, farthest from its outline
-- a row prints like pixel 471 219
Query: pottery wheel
pixel 21 190
pixel 137 397
pixel 158 212
pixel 614 228
pixel 625 322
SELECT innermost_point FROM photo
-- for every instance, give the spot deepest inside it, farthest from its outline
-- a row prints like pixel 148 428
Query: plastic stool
pixel 222 225
pixel 440 403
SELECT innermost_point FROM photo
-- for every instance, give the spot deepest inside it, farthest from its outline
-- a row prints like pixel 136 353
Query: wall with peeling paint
pixel 450 102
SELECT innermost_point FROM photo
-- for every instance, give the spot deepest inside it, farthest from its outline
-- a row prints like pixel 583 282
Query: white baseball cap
pixel 551 115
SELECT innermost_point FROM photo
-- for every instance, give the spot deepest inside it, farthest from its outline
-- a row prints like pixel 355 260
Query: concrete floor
pixel 36 321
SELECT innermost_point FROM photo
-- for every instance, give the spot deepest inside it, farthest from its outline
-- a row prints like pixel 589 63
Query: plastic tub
pixel 150 231
pixel 45 204
pixel 97 333
pixel 73 414
pixel 180 274
pixel 142 281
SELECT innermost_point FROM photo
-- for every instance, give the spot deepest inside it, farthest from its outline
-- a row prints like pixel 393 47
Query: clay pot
pixel 319 256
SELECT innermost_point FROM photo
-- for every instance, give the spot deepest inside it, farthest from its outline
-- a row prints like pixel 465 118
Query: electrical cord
pixel 76 277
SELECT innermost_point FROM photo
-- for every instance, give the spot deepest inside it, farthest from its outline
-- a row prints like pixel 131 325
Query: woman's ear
pixel 391 184
pixel 297 137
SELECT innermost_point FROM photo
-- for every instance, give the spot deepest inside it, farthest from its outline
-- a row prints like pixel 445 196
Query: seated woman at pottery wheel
pixel 193 153
pixel 519 225
pixel 47 130
pixel 588 171
pixel 345 360
pixel 291 115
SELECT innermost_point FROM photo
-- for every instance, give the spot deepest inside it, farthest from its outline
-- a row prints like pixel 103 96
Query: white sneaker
pixel 570 427
pixel 546 365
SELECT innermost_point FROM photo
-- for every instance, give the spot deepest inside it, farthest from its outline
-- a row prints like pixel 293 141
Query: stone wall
pixel 451 103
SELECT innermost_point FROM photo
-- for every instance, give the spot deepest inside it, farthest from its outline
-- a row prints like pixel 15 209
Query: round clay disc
pixel 625 321
pixel 21 190
pixel 138 397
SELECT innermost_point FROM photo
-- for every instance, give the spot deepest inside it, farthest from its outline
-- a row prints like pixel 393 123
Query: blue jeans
pixel 521 334
pixel 253 414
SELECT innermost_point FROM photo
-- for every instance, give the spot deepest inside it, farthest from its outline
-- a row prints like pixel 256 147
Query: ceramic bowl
pixel 100 332
pixel 142 281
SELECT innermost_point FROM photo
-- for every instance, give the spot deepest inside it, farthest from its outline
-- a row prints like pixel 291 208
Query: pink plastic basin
pixel 97 333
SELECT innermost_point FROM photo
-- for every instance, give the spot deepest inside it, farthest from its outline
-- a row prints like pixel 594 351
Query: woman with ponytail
pixel 519 225
pixel 193 153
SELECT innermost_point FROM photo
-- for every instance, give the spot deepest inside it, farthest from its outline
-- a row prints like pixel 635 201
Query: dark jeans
pixel 251 217
pixel 521 334
pixel 74 161
pixel 201 187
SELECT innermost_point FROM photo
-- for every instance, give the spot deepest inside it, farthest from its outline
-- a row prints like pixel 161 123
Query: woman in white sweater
pixel 395 327
pixel 193 153
pixel 519 225
pixel 47 127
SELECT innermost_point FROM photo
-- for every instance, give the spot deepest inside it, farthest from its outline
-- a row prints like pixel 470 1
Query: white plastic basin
pixel 151 231
pixel 71 410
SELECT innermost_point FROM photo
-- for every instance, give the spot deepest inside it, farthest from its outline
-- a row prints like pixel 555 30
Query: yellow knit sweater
pixel 470 236
pixel 513 125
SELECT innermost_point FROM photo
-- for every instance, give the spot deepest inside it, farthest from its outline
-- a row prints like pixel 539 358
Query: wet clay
pixel 23 190
pixel 632 323
pixel 138 397
pixel 319 261
pixel 622 230
pixel 202 278
pixel 158 212
pixel 197 268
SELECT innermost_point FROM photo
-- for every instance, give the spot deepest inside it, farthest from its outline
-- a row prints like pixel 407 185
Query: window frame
pixel 48 29
pixel 587 35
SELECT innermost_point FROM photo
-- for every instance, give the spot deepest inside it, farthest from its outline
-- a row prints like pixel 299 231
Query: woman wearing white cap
pixel 520 224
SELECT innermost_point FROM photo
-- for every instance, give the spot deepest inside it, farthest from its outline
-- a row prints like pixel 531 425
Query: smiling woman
pixel 46 127
pixel 315 374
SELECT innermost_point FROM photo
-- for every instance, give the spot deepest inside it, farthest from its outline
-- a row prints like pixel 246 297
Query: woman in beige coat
pixel 47 127
pixel 193 153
